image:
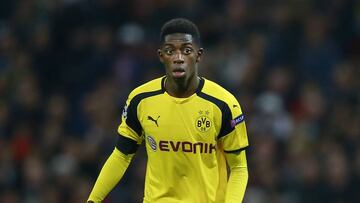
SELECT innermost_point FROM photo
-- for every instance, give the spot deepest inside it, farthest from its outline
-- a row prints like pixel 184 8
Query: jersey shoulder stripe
pixel 149 89
pixel 151 86
pixel 213 92
pixel 213 89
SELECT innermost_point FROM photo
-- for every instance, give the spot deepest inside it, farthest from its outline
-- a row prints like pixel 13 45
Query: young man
pixel 191 128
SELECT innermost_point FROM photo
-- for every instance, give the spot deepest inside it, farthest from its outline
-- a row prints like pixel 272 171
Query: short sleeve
pixel 234 135
pixel 130 126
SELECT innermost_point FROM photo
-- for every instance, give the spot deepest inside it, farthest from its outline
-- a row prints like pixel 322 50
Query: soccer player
pixel 191 126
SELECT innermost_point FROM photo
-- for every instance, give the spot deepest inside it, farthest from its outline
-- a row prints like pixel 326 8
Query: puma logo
pixel 234 106
pixel 155 121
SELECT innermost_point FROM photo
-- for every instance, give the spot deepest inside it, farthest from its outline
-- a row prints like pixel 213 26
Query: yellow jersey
pixel 185 139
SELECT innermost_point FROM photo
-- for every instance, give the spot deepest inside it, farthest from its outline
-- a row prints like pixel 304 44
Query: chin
pixel 178 77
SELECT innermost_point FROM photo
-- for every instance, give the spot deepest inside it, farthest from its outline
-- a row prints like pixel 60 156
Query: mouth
pixel 178 72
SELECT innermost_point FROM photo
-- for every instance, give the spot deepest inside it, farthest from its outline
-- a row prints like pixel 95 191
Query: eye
pixel 188 50
pixel 168 51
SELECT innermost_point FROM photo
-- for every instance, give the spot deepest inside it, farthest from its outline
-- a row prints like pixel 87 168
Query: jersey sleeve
pixel 234 136
pixel 130 126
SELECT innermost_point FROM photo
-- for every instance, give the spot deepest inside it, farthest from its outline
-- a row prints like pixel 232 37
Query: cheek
pixel 167 63
pixel 191 60
pixel 165 60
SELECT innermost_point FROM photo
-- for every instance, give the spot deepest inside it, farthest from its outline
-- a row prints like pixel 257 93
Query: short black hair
pixel 180 25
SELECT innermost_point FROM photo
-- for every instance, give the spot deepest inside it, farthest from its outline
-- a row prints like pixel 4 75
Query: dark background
pixel 67 66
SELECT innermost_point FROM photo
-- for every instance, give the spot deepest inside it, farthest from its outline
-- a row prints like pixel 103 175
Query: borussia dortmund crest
pixel 203 122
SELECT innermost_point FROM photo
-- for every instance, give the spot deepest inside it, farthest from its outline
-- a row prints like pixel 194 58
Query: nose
pixel 178 58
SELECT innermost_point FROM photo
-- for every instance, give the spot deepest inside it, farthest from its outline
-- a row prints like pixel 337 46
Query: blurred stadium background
pixel 66 67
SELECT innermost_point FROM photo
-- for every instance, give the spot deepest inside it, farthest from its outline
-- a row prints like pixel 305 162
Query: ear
pixel 160 54
pixel 199 54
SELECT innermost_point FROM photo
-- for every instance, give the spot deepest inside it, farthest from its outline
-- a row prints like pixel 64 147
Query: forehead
pixel 178 38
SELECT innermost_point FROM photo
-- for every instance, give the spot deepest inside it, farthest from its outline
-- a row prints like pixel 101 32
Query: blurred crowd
pixel 67 66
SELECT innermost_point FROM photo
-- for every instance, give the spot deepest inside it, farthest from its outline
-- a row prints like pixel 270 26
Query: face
pixel 180 55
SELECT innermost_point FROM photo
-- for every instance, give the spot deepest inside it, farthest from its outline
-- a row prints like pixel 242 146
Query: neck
pixel 181 88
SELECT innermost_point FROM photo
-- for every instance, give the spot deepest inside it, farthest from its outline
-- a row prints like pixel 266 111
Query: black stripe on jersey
pixel 201 85
pixel 163 84
pixel 132 120
pixel 226 114
pixel 236 151
pixel 126 145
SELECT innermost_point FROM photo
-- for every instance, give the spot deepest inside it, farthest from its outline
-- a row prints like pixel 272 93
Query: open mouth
pixel 178 72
